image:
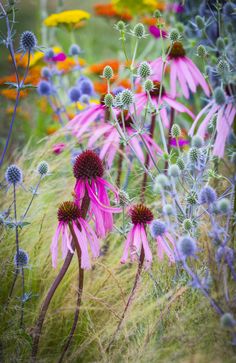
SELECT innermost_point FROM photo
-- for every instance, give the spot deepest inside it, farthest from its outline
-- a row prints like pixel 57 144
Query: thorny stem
pixel 137 277
pixel 79 296
pixel 53 288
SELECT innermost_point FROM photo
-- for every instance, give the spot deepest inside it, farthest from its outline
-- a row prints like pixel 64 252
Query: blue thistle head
pixel 187 247
pixel 75 50
pixel 21 259
pixel 157 228
pixel 46 72
pixel 49 53
pixel 207 195
pixel 86 87
pixel 28 41
pixel 44 88
pixel 74 94
pixel 14 175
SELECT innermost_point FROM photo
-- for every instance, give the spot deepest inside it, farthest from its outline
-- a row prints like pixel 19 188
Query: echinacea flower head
pixel 70 220
pixel 14 175
pixel 136 240
pixel 88 171
pixel 67 18
pixel 182 69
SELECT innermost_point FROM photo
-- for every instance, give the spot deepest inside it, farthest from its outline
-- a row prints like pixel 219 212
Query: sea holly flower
pixel 111 140
pixel 69 216
pixel 223 108
pixel 136 240
pixel 183 70
pixel 165 243
pixel 159 100
pixel 88 171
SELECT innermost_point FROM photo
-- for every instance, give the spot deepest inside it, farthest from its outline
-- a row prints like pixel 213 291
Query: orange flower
pixel 52 129
pixel 148 21
pixel 101 86
pixel 109 11
pixel 98 67
pixel 11 93
pixel 68 64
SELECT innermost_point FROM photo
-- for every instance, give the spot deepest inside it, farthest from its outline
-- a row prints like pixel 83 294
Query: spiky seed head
pixel 220 43
pixel 223 67
pixel 68 211
pixel 174 35
pixel 108 72
pixel 180 163
pixel 201 51
pixel 187 247
pixel 219 96
pixel 46 72
pixel 187 224
pixel 197 141
pixel 174 171
pixel 194 155
pixel 13 175
pixel 108 100
pixel 139 30
pixel 162 180
pixel 43 168
pixel 207 195
pixel 44 88
pixel 192 198
pixel 224 206
pixel 28 41
pixel 200 22
pixel 88 165
pixel 21 259
pixel 157 14
pixel 74 94
pixel 140 214
pixel 157 228
pixel 117 101
pixel 148 85
pixel 74 50
pixel 144 70
pixel 175 131
pixel 227 321
pixel 127 97
pixel 120 26
pixel 168 210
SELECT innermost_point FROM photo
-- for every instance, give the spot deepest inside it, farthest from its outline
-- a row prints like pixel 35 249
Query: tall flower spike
pixel 183 70
pixel 88 171
pixel 69 216
pixel 137 237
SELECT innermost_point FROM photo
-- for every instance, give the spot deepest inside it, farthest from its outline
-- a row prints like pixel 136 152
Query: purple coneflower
pixel 183 70
pixel 69 216
pixel 88 171
pixel 137 236
pixel 142 99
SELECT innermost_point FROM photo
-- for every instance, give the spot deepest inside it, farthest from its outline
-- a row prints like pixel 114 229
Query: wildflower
pixel 181 69
pixel 74 94
pixel 174 171
pixel 86 87
pixel 187 247
pixel 207 195
pixel 144 70
pixel 223 108
pixel 21 259
pixel 159 100
pixel 108 10
pixel 46 72
pixel 14 175
pixel 58 148
pixel 28 41
pixel 157 33
pixel 88 171
pixel 67 18
pixel 197 141
pixel 44 88
pixel 107 72
pixel 74 50
pixel 43 168
pixel 159 232
pixel 69 217
pixel 224 206
pixel 137 236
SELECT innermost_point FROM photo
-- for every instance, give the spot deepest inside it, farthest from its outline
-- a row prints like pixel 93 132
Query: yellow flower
pixel 69 17
pixel 138 7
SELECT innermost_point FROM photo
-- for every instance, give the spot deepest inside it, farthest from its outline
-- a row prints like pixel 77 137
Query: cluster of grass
pixel 167 321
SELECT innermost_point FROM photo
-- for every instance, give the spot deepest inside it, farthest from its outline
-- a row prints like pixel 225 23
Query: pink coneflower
pixel 181 142
pixel 142 98
pixel 165 243
pixel 112 140
pixel 224 110
pixel 60 57
pixel 88 171
pixel 183 70
pixel 58 148
pixel 156 32
pixel 69 216
pixel 81 122
pixel 137 236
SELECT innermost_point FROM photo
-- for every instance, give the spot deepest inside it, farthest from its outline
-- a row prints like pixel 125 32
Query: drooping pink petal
pixel 198 76
pixel 99 220
pixel 137 148
pixel 163 247
pixel 92 238
pixel 137 240
pixel 164 117
pixel 127 247
pixel 64 248
pixel 98 132
pixel 201 113
pixel 103 197
pixel 140 102
pixel 147 251
pixel 188 76
pixel 182 80
pixel 109 141
pixel 79 119
pixel 177 105
pixel 79 190
pixel 54 245
pixel 110 186
pixel 152 143
pixel 202 128
pixel 81 237
pixel 173 79
pixel 96 201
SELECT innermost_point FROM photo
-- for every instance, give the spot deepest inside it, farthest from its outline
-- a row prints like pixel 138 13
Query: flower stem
pixel 22 298
pixel 54 286
pixel 120 161
pixel 137 277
